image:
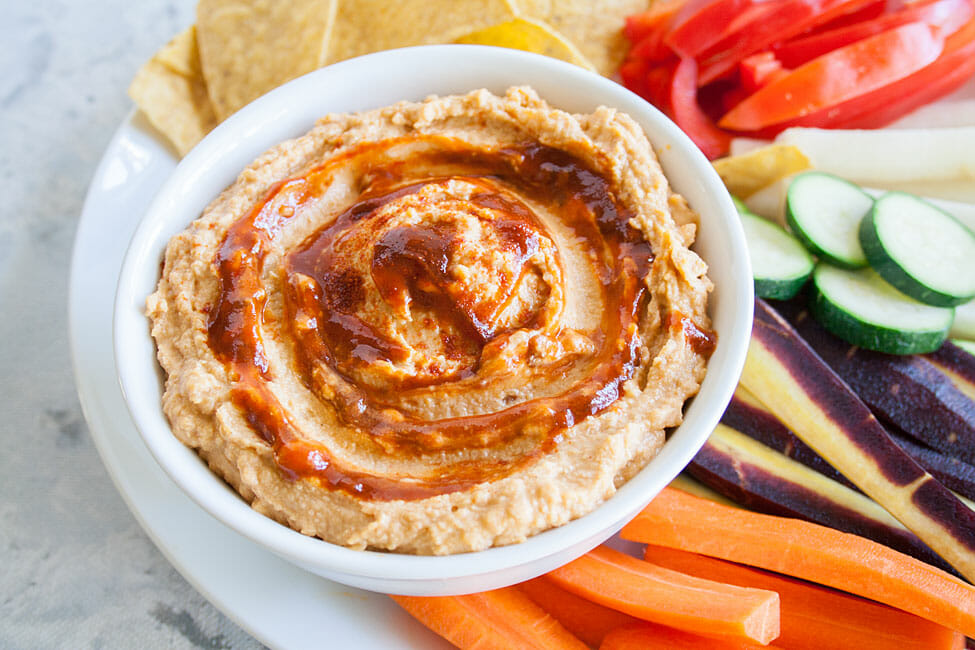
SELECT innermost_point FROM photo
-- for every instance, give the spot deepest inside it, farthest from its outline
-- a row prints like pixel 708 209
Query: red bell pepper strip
pixel 652 48
pixel 946 16
pixel 769 22
pixel 656 19
pixel 687 114
pixel 953 68
pixel 633 74
pixel 869 11
pixel 672 87
pixel 759 70
pixel 658 83
pixel 702 23
pixel 876 109
pixel 836 77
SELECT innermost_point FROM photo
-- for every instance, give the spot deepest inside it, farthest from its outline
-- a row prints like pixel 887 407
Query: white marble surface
pixel 76 571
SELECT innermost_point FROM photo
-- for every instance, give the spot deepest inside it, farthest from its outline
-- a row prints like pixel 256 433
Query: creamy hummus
pixel 436 327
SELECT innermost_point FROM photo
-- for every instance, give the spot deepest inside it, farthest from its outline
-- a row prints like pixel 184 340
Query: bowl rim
pixel 260 125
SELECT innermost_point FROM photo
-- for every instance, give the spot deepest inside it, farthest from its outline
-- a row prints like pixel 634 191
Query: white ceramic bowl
pixel 378 80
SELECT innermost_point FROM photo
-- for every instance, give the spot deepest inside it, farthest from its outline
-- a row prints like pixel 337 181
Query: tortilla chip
pixel 248 48
pixel 594 26
pixel 182 54
pixel 364 26
pixel 528 35
pixel 748 173
pixel 175 103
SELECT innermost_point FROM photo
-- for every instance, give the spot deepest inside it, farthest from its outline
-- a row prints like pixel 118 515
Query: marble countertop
pixel 78 571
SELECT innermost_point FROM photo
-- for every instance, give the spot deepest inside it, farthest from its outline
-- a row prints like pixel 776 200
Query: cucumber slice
pixel 964 325
pixel 967 346
pixel 824 212
pixel 862 309
pixel 920 249
pixel 780 264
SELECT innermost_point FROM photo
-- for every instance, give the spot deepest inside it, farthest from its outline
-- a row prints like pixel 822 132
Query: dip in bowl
pixel 461 329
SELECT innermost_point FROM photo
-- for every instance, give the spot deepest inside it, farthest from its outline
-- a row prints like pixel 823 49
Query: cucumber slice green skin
pixel 779 289
pixel 967 346
pixel 780 263
pixel 802 218
pixel 898 273
pixel 839 319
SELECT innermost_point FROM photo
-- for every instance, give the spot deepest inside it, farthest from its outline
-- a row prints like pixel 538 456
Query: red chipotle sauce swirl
pixel 439 280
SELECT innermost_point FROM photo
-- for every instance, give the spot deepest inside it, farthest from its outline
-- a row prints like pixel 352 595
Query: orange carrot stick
pixel 671 598
pixel 814 617
pixel 650 636
pixel 502 619
pixel 589 621
pixel 808 551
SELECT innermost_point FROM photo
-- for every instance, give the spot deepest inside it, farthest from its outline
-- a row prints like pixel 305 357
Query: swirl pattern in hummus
pixel 436 327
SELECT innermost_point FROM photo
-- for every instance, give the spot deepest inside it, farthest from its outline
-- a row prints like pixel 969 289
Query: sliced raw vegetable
pixel 814 617
pixel 845 73
pixel 949 72
pixel 687 114
pixel 963 212
pixel 780 264
pixel 965 345
pixel 638 26
pixel 764 24
pixel 862 309
pixel 589 621
pixel 752 419
pixel 958 364
pixel 745 413
pixel 807 396
pixel 953 473
pixel 501 619
pixel 808 551
pixel 906 390
pixel 640 589
pixel 702 23
pixel 759 70
pixel 768 66
pixel 647 636
pixel 765 480
pixel 946 16
pixel 882 156
pixel 824 211
pixel 964 325
pixel 921 250
pixel 769 202
pixel 687 484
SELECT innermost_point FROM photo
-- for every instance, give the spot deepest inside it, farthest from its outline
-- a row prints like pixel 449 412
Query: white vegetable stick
pixel 769 202
pixel 957 109
pixel 740 146
pixel 960 190
pixel 964 325
pixel 964 212
pixel 940 115
pixel 881 156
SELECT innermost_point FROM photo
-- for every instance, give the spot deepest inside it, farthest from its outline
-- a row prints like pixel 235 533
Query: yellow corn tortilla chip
pixel 250 47
pixel 528 35
pixel 177 104
pixel 747 173
pixel 593 26
pixel 181 54
pixel 364 26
